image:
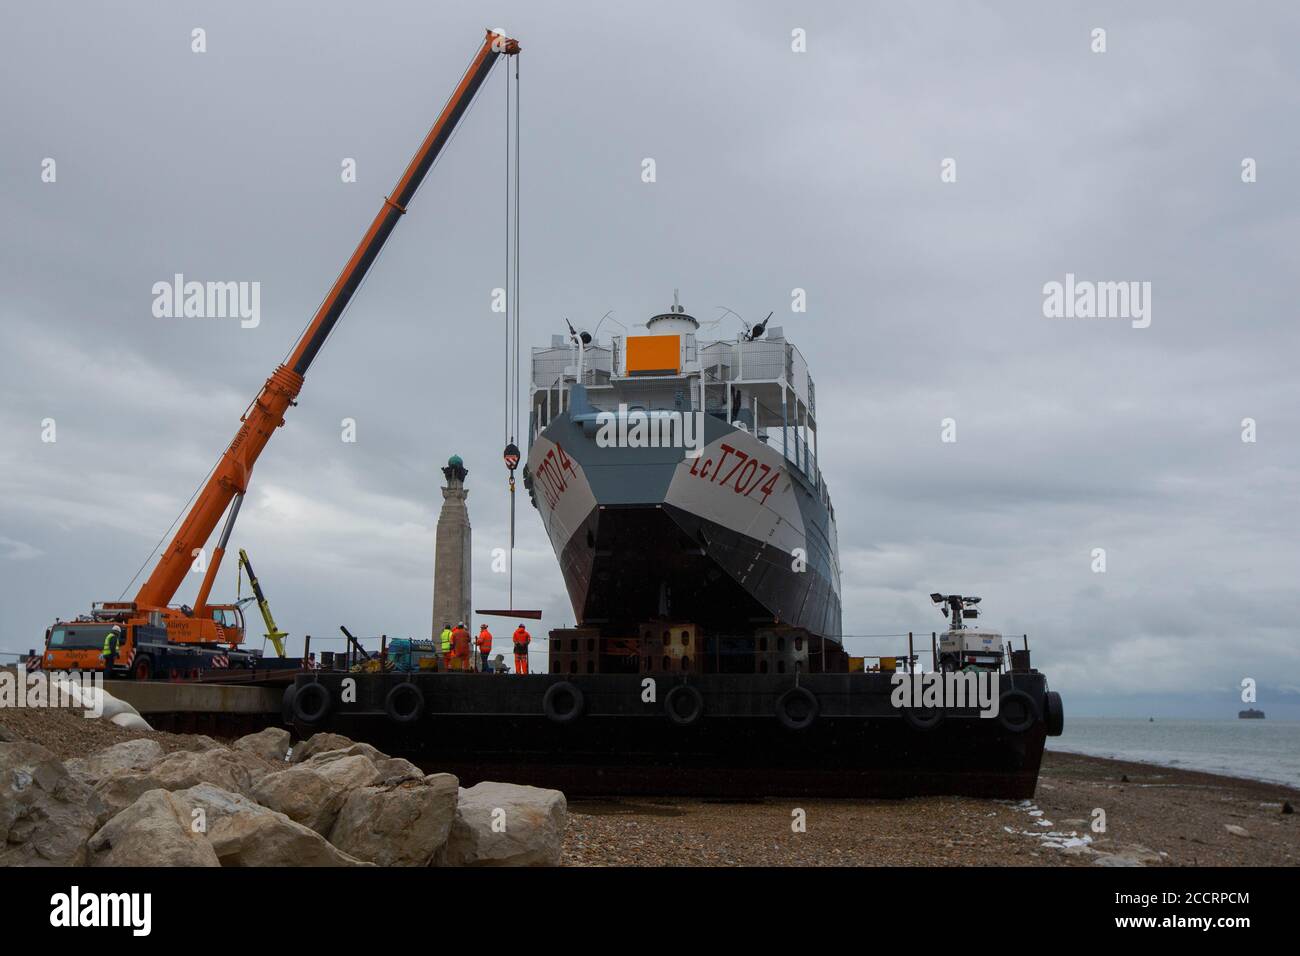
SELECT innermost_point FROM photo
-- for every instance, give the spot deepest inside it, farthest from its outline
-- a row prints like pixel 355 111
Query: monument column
pixel 451 569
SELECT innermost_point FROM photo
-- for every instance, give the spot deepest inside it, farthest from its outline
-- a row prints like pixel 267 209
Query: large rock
pixel 351 750
pixel 46 814
pixel 312 793
pixel 179 771
pixel 504 824
pixel 244 833
pixel 402 824
pixel 156 830
pixel 392 770
pixel 138 754
pixel 319 743
pixel 1131 854
pixel 269 744
pixel 395 770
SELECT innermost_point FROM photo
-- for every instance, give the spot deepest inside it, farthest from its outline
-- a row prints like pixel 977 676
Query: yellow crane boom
pixel 273 633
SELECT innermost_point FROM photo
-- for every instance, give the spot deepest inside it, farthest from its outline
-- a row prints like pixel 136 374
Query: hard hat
pixel 116 628
pixel 460 624
pixel 482 627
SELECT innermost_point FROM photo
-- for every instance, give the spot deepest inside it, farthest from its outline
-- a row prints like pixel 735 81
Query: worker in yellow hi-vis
pixel 112 641
pixel 444 648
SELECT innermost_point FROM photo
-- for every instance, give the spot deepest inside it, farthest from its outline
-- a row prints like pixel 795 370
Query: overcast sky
pixel 776 170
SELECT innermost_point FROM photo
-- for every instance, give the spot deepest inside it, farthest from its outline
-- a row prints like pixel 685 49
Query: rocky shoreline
pixel 326 801
pixel 78 792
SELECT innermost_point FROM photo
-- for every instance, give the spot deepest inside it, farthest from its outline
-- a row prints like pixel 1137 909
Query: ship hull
pixel 732 539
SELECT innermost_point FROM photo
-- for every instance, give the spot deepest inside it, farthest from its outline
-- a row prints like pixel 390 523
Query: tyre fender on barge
pixel 714 734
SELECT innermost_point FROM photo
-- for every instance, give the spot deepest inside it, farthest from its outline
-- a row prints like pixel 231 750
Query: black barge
pixel 710 734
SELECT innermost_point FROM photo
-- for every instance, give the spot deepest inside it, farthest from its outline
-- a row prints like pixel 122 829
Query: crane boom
pixel 266 413
pixel 273 633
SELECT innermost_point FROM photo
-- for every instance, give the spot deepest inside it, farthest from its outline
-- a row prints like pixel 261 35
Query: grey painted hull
pixel 733 539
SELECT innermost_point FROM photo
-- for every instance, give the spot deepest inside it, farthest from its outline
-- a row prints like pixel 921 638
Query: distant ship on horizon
pixel 1250 714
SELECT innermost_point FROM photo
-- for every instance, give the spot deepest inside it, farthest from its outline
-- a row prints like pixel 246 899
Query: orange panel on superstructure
pixel 654 353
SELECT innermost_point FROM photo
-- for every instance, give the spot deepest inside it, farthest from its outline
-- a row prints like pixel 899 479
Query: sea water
pixel 1258 749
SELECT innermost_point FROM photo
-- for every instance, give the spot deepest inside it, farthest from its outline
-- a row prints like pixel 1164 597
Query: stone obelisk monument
pixel 451 569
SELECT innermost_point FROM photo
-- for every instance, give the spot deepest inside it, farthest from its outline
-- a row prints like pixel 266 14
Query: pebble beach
pixel 1154 816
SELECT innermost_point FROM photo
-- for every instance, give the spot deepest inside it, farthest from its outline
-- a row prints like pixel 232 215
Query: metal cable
pixel 514 372
pixel 509 292
pixel 518 387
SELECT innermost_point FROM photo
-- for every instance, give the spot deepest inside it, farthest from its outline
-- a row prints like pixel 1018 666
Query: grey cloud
pixel 776 171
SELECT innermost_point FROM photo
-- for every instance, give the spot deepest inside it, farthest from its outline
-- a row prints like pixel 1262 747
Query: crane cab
pixel 219 624
pixel 76 645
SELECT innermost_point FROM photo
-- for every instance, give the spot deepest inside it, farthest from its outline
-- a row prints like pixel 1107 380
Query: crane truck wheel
pixel 563 702
pixel 1017 711
pixel 404 703
pixel 684 705
pixel 1053 714
pixel 797 708
pixel 142 669
pixel 311 704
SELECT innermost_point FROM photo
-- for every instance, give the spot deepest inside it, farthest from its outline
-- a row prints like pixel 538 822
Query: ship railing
pixel 779 429
pixel 647 395
pixel 785 428
pixel 761 360
pixel 915 653
pixel 548 363
pixel 548 401
pixel 598 364
pixel 642 395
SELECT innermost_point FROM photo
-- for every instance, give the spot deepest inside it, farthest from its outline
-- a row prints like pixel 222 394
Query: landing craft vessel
pixel 678 482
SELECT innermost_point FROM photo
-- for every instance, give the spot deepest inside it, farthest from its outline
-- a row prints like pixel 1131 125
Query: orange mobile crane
pixel 157 639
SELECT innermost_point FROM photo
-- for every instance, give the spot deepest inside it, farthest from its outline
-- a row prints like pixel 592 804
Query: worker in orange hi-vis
pixel 460 647
pixel 521 639
pixel 484 641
